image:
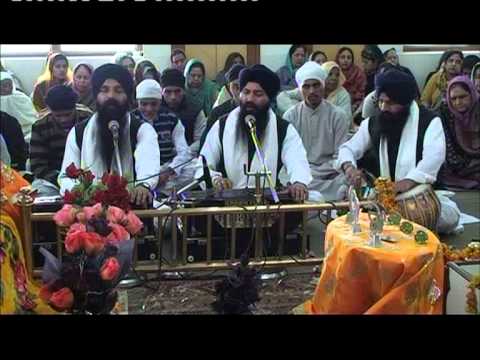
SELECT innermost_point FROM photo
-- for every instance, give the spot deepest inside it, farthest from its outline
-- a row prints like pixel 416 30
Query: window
pixel 439 48
pixel 25 50
pixel 109 49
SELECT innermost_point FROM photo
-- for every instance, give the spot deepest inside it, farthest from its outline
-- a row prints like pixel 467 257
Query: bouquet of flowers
pixel 98 245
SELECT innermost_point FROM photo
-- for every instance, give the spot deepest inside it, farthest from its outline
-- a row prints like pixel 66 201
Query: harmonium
pixel 240 198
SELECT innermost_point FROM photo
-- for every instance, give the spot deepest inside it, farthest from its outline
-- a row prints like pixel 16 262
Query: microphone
pixel 250 121
pixel 114 127
pixel 206 174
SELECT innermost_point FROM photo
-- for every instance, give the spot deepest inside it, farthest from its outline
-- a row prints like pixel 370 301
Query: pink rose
pixel 93 211
pixel 115 215
pixel 118 234
pixel 65 216
pixel 77 227
pixel 110 269
pixel 74 241
pixel 134 224
pixel 93 243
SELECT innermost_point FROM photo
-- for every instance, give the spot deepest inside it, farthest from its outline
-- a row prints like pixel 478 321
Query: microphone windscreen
pixel 250 121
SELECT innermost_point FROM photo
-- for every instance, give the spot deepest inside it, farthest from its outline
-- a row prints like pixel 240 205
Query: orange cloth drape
pixel 392 279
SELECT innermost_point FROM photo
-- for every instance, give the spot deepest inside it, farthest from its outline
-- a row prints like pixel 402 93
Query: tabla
pixel 420 205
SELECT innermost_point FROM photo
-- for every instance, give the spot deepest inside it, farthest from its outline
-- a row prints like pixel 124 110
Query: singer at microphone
pixel 229 144
pixel 91 144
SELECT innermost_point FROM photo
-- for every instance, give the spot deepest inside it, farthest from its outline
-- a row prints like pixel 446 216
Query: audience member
pixel 57 72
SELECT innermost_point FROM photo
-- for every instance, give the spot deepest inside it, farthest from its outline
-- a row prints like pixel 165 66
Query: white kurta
pixel 433 155
pixel 199 128
pixel 146 154
pixel 235 149
pixel 322 131
pixel 425 172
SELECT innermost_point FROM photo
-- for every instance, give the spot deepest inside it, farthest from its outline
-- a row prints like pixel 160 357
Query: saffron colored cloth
pixel 19 294
pixel 396 278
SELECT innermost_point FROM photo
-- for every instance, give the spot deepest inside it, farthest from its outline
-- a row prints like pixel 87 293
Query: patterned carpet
pixel 278 296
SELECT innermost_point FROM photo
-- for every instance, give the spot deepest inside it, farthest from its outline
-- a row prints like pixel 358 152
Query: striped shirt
pixel 174 150
pixel 47 144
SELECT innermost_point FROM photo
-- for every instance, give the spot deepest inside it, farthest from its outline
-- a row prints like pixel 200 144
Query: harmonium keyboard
pixel 235 198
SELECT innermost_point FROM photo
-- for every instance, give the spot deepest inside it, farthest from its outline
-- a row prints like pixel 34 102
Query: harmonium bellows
pixel 235 198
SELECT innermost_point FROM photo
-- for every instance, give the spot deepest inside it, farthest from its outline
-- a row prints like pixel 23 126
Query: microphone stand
pixel 267 173
pixel 278 272
pixel 117 156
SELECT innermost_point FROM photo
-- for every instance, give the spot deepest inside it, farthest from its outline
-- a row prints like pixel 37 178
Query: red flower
pixel 45 293
pixel 62 299
pixel 110 269
pixel 92 243
pixel 88 177
pixel 74 241
pixel 72 171
pixel 71 197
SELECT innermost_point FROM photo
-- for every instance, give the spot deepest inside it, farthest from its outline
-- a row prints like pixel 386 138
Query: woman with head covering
pixel 16 81
pixel 319 57
pixel 334 90
pixel 82 85
pixel 295 59
pixel 355 79
pixel 232 59
pixel 19 294
pixel 125 59
pixel 145 69
pixel 57 72
pixel 439 66
pixel 476 77
pixel 372 57
pixel 435 90
pixel 460 116
pixel 198 88
pixel 16 104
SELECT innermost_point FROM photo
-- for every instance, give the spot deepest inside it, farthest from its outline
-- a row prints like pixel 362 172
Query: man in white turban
pixel 322 126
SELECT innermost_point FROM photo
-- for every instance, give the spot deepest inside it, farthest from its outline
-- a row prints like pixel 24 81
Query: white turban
pixel 149 89
pixel 310 71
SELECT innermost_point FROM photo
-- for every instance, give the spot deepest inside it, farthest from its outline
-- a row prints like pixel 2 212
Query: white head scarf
pixel 19 106
pixel 310 71
pixel 6 76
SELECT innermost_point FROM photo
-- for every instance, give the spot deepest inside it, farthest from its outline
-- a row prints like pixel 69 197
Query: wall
pixel 158 54
pixel 273 56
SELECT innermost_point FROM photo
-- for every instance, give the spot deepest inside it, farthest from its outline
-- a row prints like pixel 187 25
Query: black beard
pixel 108 111
pixel 261 117
pixel 391 125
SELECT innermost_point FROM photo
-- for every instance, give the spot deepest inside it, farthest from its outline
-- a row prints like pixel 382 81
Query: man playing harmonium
pixel 229 149
pixel 405 142
pixel 228 145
